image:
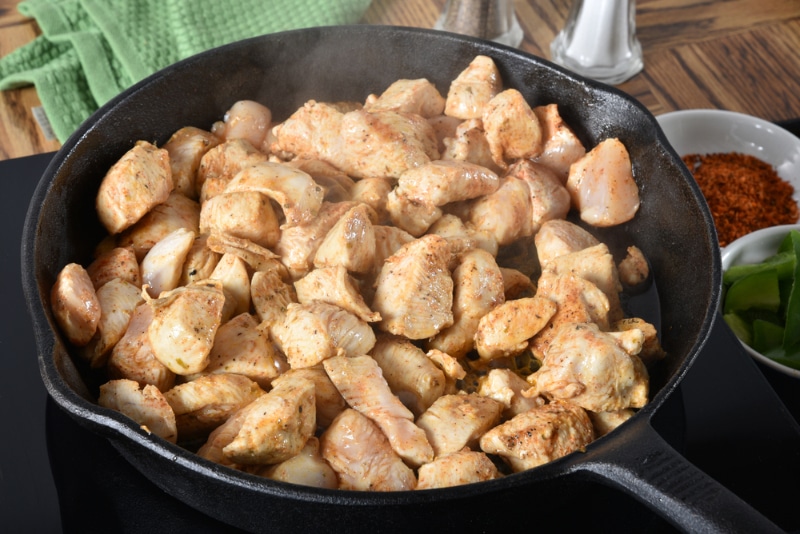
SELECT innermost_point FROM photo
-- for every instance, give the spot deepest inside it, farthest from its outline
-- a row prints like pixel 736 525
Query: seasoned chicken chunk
pixel 350 242
pixel 592 369
pixel 361 382
pixel 469 143
pixel 271 297
pixel 117 300
pixel 232 271
pixel 512 128
pixel 307 468
pixel 457 421
pixel 75 305
pixel 443 181
pixel 334 285
pixel 605 422
pixel 558 237
pixel 456 469
pixel 417 96
pixel 560 146
pixel 451 367
pixel 373 192
pixel 540 435
pixel 414 290
pixel 328 400
pixel 652 351
pixel 119 262
pixel 337 185
pixel 246 119
pixel 146 406
pixel 602 186
pixel 634 269
pixel 505 215
pixel 258 258
pixel 245 214
pixel 362 457
pixel 200 261
pixel 221 163
pixel 472 89
pixel 162 266
pixel 176 212
pixel 140 180
pixel 549 198
pixel 461 237
pixel 507 387
pixel 444 127
pixel 186 148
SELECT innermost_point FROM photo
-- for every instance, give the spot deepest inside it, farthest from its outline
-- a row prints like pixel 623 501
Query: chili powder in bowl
pixel 747 168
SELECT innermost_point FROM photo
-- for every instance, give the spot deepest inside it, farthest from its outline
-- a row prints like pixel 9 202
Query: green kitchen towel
pixel 91 50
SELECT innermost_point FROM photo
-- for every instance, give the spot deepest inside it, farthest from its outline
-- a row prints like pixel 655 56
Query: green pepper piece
pixel 791 336
pixel 756 290
pixel 740 327
pixel 766 336
pixel 783 262
pixel 787 243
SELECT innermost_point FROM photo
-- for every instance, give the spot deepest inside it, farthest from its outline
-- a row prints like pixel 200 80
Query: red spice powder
pixel 743 192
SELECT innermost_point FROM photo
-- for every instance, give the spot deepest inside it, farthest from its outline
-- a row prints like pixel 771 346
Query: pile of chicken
pixel 319 300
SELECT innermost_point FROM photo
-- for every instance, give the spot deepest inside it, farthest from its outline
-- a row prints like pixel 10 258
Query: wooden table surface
pixel 739 55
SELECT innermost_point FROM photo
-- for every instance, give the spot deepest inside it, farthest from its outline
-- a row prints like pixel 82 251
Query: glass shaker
pixel 599 41
pixel 494 20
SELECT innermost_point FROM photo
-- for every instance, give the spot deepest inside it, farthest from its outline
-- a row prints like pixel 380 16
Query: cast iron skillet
pixel 284 70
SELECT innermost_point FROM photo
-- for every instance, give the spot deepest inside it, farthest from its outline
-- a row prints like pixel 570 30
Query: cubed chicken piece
pixel 469 143
pixel 206 402
pixel 75 305
pixel 457 421
pixel 271 297
pixel 411 215
pixel 119 262
pixel 602 186
pixel 118 299
pixel 505 215
pixel 634 269
pixel 313 131
pixel 414 290
pixel 200 261
pixel 374 192
pixel 232 271
pixel 162 266
pixel 560 146
pixel 362 457
pixel 549 198
pixel 451 367
pixel 473 88
pixel 540 435
pixel 328 400
pixel 411 375
pixel 185 321
pixel 478 289
pixel 350 242
pixel 462 238
pixel 307 468
pixel 512 128
pixel 334 285
pixel 605 422
pixel 245 214
pixel 221 163
pixel 361 382
pixel 277 425
pixel 132 357
pixel 417 96
pixel 146 406
pixel 337 185
pixel 592 369
pixel 176 212
pixel 258 258
pixel 507 387
pixel 444 127
pixel 186 148
pixel 457 469
pixel 311 333
pixel 140 180
pixel 506 329
pixel 558 237
pixel 245 119
pixel 443 181
pixel 222 436
pixel 652 351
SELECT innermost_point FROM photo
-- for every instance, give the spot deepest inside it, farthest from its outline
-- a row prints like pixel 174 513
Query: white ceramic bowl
pixel 710 131
pixel 753 248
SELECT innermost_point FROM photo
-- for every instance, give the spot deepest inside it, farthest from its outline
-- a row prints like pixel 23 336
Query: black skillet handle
pixel 642 464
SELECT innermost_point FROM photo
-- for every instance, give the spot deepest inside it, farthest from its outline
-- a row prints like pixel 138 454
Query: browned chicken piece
pixel 540 435
pixel 506 214
pixel 444 127
pixel 277 425
pixel 578 301
pixel 176 212
pixel 595 264
pixel 145 405
pixel 361 382
pixel 298 244
pixel 245 214
pixel 507 387
pixel 472 89
pixel 223 435
pixel 560 146
pixel 605 422
pixel 451 367
pixel 362 457
pixel 185 321
pixel 75 305
pixel 162 266
pixel 592 369
pixel 506 329
pixel 411 375
pixel 516 284
pixel 298 195
pixel 140 180
pixel 311 333
pixel 602 186
pixel 334 285
pixel 132 357
pixel 374 192
pixel 456 469
pixel 462 238
pixel 337 185
pixel 232 271
pixel 186 147
pixel 512 128
pixel 478 289
pixel 240 347
pixel 558 237
pixel 119 262
pixel 549 198
pixel 350 243
pixel 221 163
pixel 329 401
pixel 313 131
pixel 469 143
pixel 634 269
pixel 388 240
pixel 417 96
pixel 117 300
pixel 206 402
pixel 307 468
pixel 414 290
pixel 411 215
pixel 258 258
pixel 200 261
pixel 271 297
pixel 652 351
pixel 246 119
pixel 457 421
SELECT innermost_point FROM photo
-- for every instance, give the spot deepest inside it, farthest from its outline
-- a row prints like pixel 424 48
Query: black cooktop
pixel 55 476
